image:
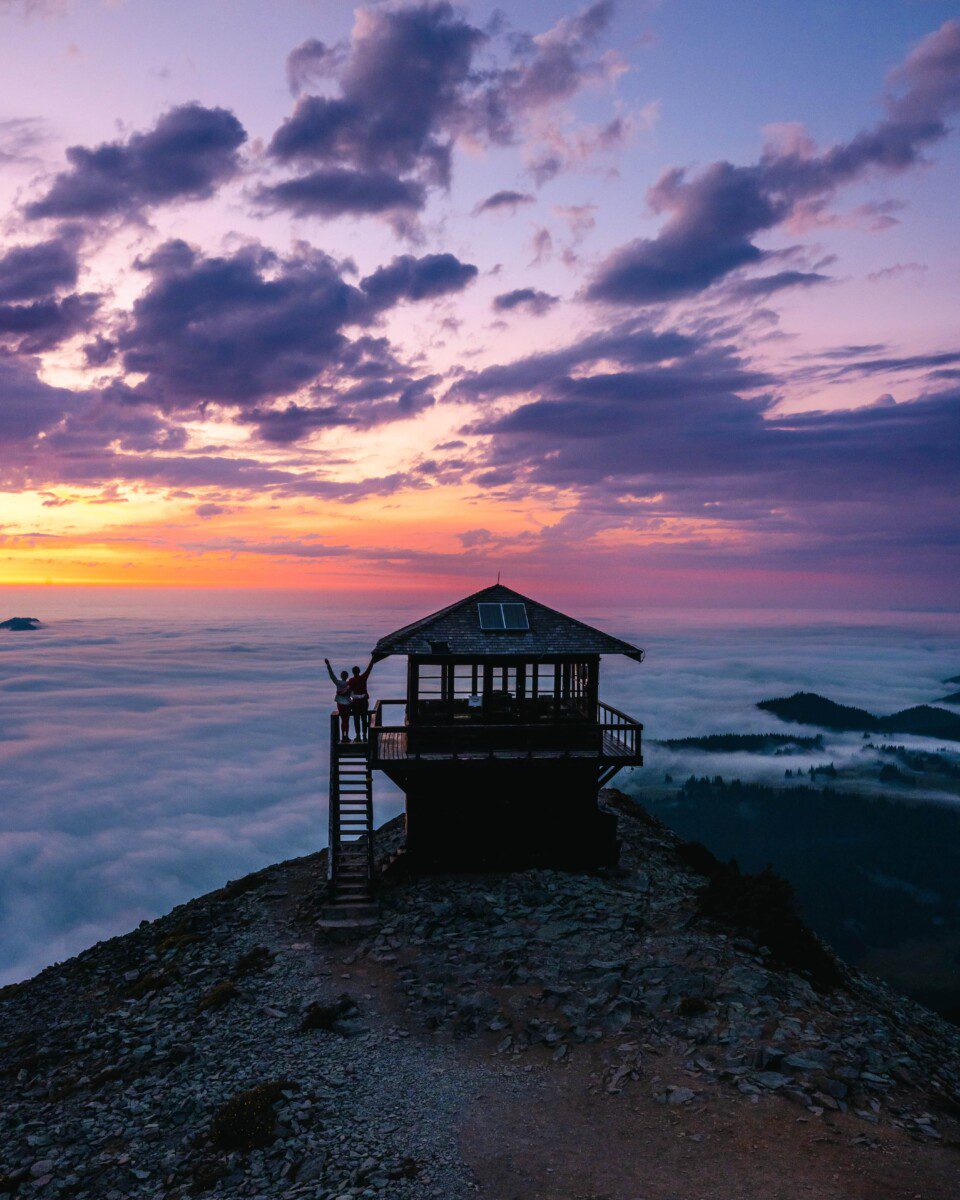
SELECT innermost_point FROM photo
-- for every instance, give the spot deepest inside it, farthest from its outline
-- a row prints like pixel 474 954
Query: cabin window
pixel 431 681
pixel 542 680
pixel 503 617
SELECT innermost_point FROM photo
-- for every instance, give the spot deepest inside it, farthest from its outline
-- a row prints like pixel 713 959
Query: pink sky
pixel 650 302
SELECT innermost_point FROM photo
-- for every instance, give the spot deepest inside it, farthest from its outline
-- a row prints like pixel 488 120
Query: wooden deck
pixel 391 746
pixel 619 743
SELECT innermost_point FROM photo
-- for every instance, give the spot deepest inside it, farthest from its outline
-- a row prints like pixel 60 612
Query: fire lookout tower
pixel 500 745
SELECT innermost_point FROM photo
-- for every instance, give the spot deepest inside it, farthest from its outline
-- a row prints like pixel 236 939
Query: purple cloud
pixel 402 97
pixel 767 285
pixel 248 330
pixel 409 278
pixel 33 272
pixel 189 152
pixel 34 317
pixel 43 324
pixel 713 217
pixel 631 345
pixel 526 299
pixel 555 65
pixel 341 191
pixel 310 62
pixel 409 87
pixel 503 201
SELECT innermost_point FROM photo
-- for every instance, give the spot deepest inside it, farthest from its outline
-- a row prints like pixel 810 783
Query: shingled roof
pixel 457 629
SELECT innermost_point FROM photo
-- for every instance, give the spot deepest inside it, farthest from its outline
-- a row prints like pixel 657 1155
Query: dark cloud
pixel 27 405
pixel 766 285
pixel 862 361
pixel 310 62
pixel 527 299
pixel 43 324
pixel 402 99
pixel 629 345
pixel 409 278
pixel 503 200
pixel 52 436
pixel 189 152
pixel 100 351
pixel 340 191
pixel 401 91
pixel 697 436
pixel 33 272
pixel 249 330
pixel 896 270
pixel 362 408
pixel 34 315
pixel 554 65
pixel 208 510
pixel 713 217
pixel 409 87
pixel 235 329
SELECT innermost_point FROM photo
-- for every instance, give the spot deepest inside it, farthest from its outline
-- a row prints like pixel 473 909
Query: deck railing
pixel 614 734
pixel 619 728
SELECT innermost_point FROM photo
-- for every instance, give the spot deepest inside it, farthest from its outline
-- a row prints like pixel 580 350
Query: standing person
pixel 344 699
pixel 361 701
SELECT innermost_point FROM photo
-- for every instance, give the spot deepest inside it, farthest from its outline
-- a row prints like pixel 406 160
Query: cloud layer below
pixel 148 758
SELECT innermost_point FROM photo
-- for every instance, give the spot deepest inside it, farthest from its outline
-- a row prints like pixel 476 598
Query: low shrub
pixel 217 996
pixel 257 959
pixel 248 1120
pixel 693 1006
pixel 326 1016
pixel 239 887
pixel 697 858
pixel 152 981
pixel 762 906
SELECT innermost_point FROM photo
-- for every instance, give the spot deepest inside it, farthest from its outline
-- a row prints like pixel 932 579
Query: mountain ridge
pixel 810 708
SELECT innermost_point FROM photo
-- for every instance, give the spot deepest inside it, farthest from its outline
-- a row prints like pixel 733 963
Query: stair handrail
pixel 334 805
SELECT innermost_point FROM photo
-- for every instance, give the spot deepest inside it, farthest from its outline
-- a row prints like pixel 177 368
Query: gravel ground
pixel 231 1048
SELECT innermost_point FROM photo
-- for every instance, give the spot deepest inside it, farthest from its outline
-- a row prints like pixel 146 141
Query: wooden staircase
pixel 350 856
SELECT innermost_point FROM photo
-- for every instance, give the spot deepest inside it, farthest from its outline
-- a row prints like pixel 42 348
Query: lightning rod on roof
pixel 498 577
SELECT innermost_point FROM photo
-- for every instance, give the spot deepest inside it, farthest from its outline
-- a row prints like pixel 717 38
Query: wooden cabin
pixel 501 742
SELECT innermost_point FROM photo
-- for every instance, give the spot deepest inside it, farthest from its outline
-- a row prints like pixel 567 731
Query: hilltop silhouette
pixel 807 708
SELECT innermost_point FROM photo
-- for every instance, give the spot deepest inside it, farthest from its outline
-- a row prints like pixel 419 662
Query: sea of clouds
pixel 153 746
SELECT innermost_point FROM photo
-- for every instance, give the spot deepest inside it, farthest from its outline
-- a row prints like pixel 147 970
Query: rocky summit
pixel 668 1029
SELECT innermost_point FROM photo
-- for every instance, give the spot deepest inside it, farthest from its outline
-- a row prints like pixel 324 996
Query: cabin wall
pixel 502 815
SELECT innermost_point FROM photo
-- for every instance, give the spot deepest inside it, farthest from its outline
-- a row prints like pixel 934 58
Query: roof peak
pixel 550 631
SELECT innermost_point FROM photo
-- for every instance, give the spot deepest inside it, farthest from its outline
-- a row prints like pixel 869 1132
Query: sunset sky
pixel 648 301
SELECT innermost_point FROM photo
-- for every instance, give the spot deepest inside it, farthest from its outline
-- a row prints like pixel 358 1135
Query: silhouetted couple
pixel 353 700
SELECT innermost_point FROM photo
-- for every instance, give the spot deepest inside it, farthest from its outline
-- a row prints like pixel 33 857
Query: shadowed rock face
pixel 20 624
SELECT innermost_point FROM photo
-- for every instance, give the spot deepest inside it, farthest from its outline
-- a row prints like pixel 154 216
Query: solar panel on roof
pixel 491 616
pixel 515 616
pixel 495 617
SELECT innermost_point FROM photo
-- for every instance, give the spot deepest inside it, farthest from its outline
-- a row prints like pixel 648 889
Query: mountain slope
pixel 538 1034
